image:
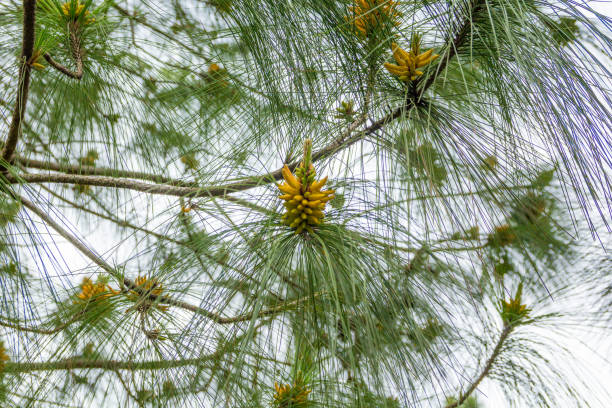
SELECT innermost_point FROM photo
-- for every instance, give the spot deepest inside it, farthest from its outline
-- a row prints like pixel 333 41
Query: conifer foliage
pixel 313 203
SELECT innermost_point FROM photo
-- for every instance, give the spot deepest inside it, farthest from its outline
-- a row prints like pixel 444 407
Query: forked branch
pixel 23 83
pixel 76 51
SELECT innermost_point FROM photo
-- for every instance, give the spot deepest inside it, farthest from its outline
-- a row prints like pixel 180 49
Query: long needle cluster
pixel 408 63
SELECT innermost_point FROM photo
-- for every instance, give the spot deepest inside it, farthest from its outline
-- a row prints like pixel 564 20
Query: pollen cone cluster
pixel 90 290
pixel 79 9
pixel 3 356
pixel 303 197
pixel 146 288
pixel 287 396
pixel 408 63
pixel 36 60
pixel 369 14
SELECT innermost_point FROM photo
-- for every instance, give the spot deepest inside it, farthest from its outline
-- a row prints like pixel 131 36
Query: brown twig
pixel 44 331
pixel 23 87
pixel 75 75
pixel 76 51
pixel 101 171
pixel 486 369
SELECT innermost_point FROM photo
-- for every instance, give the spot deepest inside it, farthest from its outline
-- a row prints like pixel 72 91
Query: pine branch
pixel 486 369
pixel 83 363
pixel 183 189
pixel 23 82
pixel 78 74
pixel 142 292
pixel 101 171
pixel 40 330
pixel 457 42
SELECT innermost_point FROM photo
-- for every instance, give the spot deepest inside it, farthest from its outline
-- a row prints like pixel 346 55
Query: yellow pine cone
pixel 366 15
pixel 304 202
pixel 36 60
pixel 409 62
pixel 66 8
pixel 3 356
pixel 94 291
pixel 147 287
pixel 288 396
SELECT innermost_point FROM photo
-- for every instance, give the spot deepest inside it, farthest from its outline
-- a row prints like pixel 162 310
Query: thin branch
pixel 23 82
pixel 101 171
pixel 183 191
pixel 487 368
pixel 455 44
pixel 272 310
pixel 78 74
pixel 82 363
pixel 41 330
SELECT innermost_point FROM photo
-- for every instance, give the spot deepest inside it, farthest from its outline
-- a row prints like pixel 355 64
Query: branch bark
pixel 23 82
pixel 486 369
pixel 82 363
pixel 78 74
pixel 101 171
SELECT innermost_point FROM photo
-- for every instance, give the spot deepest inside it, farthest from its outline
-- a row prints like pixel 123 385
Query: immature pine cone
pixel 303 197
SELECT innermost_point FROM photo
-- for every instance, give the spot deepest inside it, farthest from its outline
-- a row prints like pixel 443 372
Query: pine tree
pixel 315 203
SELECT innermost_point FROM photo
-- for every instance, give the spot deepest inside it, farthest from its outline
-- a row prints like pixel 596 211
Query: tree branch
pixel 23 84
pixel 101 171
pixel 78 74
pixel 455 44
pixel 487 368
pixel 150 296
pixel 44 331
pixel 83 363
pixel 187 189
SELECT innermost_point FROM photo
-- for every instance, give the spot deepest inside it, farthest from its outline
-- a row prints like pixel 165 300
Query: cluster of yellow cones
pixel 304 199
pixel 147 287
pixel 408 63
pixel 93 291
pixel 79 9
pixel 287 396
pixel 369 14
